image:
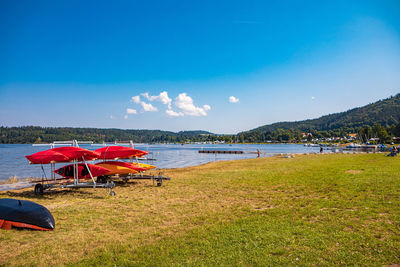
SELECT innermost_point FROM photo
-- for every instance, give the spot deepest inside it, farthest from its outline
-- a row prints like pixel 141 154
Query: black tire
pixel 112 193
pixel 159 183
pixel 38 189
pixel 101 179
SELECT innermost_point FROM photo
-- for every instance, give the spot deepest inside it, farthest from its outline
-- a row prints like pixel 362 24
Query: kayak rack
pixel 101 181
pixel 155 178
pixel 63 183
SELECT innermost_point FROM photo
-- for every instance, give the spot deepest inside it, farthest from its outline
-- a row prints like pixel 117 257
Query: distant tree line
pixel 34 134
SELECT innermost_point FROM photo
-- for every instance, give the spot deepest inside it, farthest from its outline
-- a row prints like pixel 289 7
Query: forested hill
pixel 34 134
pixel 384 112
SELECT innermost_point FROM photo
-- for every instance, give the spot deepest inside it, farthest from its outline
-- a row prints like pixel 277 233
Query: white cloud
pixel 172 113
pixel 146 95
pixel 112 117
pixel 130 111
pixel 162 97
pixel 233 99
pixel 145 106
pixel 125 117
pixel 148 106
pixel 136 99
pixel 313 97
pixel 165 99
pixel 185 104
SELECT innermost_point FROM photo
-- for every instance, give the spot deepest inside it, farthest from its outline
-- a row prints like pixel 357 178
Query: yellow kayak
pixel 115 168
pixel 144 166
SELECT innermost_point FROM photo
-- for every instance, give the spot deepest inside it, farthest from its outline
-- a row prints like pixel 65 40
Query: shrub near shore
pixel 314 209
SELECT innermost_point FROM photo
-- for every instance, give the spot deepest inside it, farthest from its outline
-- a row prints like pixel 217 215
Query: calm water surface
pixel 14 163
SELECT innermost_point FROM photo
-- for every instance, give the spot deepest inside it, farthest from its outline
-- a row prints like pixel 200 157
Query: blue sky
pixel 91 63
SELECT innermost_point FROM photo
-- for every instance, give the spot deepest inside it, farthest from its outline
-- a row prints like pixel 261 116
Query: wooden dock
pixel 222 151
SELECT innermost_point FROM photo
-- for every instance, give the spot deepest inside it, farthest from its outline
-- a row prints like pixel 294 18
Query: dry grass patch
pixel 354 171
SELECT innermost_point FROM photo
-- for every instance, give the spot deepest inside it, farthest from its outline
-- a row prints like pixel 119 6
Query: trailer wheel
pixel 159 183
pixel 112 193
pixel 101 179
pixel 38 189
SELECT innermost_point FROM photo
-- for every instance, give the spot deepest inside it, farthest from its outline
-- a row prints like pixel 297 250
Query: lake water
pixel 13 161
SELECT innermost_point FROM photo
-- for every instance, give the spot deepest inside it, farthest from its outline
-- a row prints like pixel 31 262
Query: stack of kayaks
pixel 69 154
pixel 109 165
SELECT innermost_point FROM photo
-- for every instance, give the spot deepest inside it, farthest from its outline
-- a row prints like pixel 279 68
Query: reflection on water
pixel 14 163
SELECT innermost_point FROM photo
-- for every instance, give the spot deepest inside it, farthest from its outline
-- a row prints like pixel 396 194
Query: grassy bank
pixel 315 209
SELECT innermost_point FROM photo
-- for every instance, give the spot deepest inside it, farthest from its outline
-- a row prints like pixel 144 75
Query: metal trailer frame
pixel 40 187
pixel 157 178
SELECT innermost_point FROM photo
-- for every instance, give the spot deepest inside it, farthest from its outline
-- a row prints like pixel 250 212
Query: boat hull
pixel 24 214
pixel 62 154
pixel 144 166
pixel 46 157
pixel 119 152
pixel 119 168
pixel 68 171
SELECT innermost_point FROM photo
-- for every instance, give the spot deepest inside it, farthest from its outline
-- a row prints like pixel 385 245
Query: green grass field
pixel 308 210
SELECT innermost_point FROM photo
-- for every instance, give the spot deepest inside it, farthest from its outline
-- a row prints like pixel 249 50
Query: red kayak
pixel 76 153
pixel 68 171
pixel 46 157
pixel 119 152
pixel 62 154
